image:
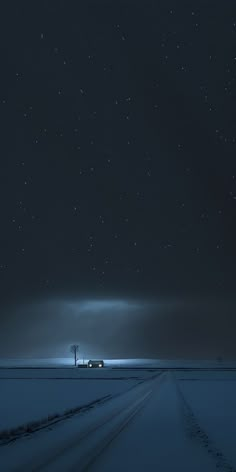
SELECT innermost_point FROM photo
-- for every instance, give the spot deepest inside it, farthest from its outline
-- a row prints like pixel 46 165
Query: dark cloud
pixel 121 328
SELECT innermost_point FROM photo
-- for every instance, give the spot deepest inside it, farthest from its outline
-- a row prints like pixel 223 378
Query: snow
pixel 212 400
pixel 157 440
pixel 41 445
pixel 183 421
pixel 68 363
pixel 31 395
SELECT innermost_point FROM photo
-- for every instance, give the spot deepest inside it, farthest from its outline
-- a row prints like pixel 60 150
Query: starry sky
pixel 118 167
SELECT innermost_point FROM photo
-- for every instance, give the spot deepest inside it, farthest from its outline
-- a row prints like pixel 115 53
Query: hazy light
pixel 98 306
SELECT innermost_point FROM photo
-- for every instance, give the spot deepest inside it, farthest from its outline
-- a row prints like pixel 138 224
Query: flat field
pixel 168 419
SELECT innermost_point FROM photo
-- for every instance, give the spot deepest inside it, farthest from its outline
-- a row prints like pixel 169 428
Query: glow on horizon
pixel 98 306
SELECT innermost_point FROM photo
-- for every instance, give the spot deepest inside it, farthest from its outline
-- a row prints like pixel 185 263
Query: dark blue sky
pixel 118 139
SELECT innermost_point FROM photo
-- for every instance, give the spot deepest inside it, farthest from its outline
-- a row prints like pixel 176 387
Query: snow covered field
pixel 182 421
pixel 212 400
pixel 32 394
pixel 68 363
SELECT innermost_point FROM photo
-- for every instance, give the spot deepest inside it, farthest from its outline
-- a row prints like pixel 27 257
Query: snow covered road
pixel 156 440
pixel 154 426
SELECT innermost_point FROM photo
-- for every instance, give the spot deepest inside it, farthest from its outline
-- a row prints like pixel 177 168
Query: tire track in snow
pixel 35 426
pixel 108 426
pixel 128 414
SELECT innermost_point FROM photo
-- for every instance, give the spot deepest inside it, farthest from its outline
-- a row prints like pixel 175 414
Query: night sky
pixel 118 177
